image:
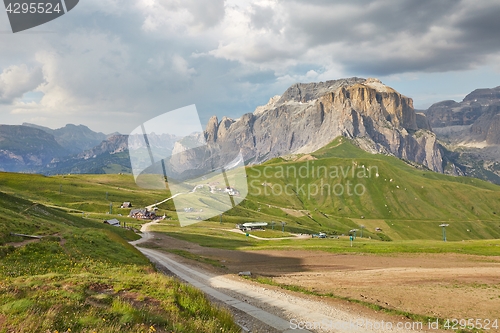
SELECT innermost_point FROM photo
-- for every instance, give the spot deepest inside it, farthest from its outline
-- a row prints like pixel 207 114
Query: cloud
pixel 181 66
pixel 15 81
pixel 134 59
pixel 181 15
pixel 373 37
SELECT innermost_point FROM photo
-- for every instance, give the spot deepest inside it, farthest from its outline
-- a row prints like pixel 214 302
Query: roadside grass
pixel 126 299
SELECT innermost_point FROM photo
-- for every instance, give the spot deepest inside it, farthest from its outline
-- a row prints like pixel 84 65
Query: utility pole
pixel 110 208
pixel 444 225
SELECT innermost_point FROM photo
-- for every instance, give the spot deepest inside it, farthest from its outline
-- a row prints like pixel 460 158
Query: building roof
pixel 113 222
pixel 254 224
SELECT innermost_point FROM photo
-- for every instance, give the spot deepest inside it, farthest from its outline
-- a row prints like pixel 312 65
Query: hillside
pixel 73 138
pixel 406 201
pixel 70 149
pixel 28 149
pixel 83 276
pixel 385 192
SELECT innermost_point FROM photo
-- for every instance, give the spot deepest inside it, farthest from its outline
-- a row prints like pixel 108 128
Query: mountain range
pixel 470 131
pixel 458 138
pixel 309 116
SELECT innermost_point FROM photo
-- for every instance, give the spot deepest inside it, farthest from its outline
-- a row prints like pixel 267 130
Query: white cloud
pixel 181 66
pixel 15 81
pixel 180 16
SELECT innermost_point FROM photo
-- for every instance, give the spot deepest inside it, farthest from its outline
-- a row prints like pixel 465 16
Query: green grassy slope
pixel 88 193
pixel 84 277
pixel 311 193
pixel 342 187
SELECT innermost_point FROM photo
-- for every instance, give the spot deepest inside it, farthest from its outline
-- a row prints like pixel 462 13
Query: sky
pixel 114 64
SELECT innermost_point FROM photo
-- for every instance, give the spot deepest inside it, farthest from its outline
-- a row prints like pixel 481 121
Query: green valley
pixel 83 276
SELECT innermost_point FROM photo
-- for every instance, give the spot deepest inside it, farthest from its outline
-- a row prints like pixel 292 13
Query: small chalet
pixel 142 214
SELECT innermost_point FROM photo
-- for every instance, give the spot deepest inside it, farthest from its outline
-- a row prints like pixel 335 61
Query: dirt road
pixel 443 285
pixel 268 309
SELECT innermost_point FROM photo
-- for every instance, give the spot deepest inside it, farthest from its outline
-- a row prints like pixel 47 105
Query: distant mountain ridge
pixel 470 130
pixel 27 149
pixel 74 138
pixel 458 138
pixel 478 113
pixel 37 149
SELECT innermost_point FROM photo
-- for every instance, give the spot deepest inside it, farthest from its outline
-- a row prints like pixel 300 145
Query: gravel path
pixel 262 310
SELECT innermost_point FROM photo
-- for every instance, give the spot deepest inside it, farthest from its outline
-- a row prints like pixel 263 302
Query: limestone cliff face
pixel 470 129
pixel 493 135
pixel 309 116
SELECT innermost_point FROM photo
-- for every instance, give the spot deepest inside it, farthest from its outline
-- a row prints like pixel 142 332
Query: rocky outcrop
pixel 212 128
pixel 423 122
pixel 480 105
pixel 470 129
pixel 113 145
pixel 493 135
pixel 309 116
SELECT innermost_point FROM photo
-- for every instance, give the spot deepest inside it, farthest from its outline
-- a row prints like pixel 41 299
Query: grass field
pixel 208 236
pixel 97 282
pixel 404 202
pixel 83 276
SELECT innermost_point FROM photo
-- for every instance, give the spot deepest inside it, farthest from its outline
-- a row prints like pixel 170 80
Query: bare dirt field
pixel 437 285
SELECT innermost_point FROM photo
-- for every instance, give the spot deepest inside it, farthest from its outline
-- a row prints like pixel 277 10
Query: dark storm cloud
pixel 394 36
pixel 481 27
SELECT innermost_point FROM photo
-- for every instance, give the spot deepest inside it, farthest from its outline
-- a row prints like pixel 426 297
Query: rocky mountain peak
pixel 377 100
pixel 484 95
pixel 309 116
pixel 305 92
pixel 212 129
pixel 272 102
